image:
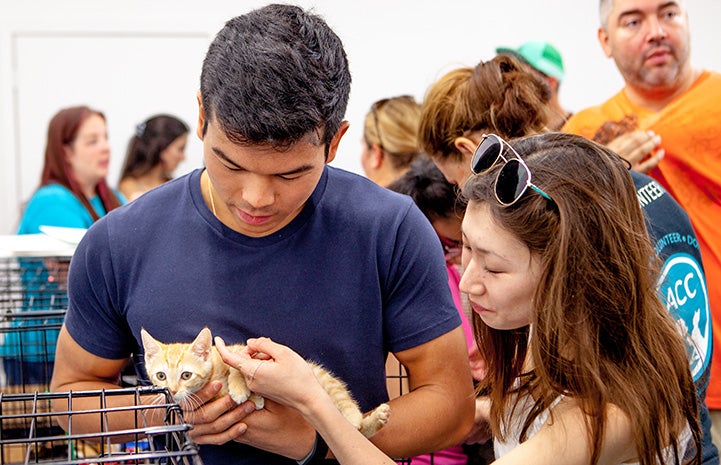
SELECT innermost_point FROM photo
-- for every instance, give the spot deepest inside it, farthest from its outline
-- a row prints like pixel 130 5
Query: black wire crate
pixel 33 283
pixel 29 431
pixel 33 301
pixel 27 349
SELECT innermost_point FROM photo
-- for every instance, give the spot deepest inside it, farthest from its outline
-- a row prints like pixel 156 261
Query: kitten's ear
pixel 151 346
pixel 203 344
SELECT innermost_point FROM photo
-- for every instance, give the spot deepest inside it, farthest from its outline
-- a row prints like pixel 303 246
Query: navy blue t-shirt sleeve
pixel 419 305
pixel 94 318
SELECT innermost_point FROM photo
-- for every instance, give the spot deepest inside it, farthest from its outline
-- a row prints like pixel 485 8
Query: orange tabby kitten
pixel 185 368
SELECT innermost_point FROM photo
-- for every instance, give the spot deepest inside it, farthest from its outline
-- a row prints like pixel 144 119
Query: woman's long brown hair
pixel 62 131
pixel 600 332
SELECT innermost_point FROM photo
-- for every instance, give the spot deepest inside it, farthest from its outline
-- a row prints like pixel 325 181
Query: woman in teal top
pixel 74 193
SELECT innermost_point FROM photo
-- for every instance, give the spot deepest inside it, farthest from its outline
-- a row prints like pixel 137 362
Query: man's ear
pixel 201 117
pixel 603 40
pixel 335 141
pixel 552 83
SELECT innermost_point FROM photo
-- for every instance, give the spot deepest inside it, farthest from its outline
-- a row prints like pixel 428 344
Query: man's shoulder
pixel 585 122
pixel 153 213
pixel 715 75
pixel 708 78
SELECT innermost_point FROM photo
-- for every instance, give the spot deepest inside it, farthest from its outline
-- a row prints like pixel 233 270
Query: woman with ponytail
pixel 498 96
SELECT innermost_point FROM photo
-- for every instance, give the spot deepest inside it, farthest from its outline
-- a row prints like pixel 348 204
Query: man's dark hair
pixel 273 76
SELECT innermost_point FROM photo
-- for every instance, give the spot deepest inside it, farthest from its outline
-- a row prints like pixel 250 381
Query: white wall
pixel 134 58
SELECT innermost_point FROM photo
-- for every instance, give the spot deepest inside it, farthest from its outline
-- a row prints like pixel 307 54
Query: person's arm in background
pixel 640 148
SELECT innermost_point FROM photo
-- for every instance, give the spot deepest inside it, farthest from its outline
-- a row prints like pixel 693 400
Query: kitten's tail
pixel 338 391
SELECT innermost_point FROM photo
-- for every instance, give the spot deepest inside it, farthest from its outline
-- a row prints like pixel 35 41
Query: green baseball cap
pixel 541 55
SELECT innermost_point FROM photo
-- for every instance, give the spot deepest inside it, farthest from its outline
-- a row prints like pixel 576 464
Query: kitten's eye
pixel 186 375
pixel 160 375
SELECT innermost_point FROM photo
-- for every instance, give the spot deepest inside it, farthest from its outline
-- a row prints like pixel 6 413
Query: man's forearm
pixel 86 408
pixel 424 421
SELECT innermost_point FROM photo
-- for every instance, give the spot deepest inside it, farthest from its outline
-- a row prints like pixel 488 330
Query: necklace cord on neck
pixel 210 194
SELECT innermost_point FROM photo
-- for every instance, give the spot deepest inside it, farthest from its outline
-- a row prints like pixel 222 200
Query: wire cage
pixel 33 301
pixel 29 431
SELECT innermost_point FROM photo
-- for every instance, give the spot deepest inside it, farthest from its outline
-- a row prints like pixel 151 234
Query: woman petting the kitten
pixel 585 364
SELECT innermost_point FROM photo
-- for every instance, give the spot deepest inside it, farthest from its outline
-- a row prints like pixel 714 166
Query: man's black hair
pixel 275 75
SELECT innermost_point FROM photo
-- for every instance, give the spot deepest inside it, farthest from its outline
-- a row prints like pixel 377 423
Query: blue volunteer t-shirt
pixel 682 287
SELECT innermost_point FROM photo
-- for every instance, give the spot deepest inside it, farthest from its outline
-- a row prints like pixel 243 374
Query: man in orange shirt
pixel 667 117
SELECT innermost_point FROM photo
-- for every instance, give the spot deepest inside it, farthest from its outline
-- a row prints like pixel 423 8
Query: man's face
pixel 649 41
pixel 258 189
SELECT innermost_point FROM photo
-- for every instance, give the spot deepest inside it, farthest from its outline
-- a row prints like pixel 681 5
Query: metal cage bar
pixel 28 433
pixel 33 301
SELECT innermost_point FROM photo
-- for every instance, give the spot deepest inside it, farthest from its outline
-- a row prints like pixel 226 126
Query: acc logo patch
pixel 682 287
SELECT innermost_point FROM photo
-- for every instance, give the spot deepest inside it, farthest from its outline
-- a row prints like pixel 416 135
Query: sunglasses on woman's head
pixel 514 178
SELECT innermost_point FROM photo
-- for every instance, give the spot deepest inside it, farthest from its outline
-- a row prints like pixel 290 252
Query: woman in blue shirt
pixel 73 193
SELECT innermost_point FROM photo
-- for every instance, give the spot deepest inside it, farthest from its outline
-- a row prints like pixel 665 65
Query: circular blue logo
pixel 682 287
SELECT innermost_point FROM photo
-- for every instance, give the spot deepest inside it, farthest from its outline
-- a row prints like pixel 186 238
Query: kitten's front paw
pixel 382 414
pixel 239 397
pixel 237 388
pixel 258 401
